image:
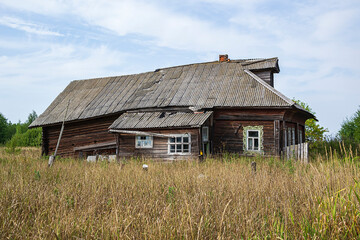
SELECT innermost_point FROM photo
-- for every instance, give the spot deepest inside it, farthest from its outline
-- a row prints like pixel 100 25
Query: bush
pixel 30 138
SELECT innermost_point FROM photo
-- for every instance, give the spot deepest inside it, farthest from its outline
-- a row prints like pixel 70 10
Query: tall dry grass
pixel 217 199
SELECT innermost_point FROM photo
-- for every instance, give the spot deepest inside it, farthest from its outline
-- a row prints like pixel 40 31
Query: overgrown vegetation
pixel 350 129
pixel 313 131
pixel 216 199
pixel 18 135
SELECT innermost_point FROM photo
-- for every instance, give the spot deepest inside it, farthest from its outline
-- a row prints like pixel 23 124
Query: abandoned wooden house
pixel 176 113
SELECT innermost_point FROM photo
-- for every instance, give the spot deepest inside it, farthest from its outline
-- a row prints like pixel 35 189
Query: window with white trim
pixel 253 140
pixel 179 144
pixel 143 141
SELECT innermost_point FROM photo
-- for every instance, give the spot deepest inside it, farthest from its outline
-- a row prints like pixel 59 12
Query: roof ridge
pixel 262 82
pixel 254 60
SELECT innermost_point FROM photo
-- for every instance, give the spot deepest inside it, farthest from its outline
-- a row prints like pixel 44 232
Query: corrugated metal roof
pixel 143 120
pixel 204 85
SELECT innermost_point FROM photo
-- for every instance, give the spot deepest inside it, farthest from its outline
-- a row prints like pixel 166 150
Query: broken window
pixel 144 142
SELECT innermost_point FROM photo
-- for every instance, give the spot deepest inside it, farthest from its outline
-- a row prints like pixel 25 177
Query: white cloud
pixel 58 63
pixel 19 24
pixel 317 39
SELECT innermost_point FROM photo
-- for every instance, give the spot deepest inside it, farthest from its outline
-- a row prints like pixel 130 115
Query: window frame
pixel 253 138
pixel 147 146
pixel 205 129
pixel 181 143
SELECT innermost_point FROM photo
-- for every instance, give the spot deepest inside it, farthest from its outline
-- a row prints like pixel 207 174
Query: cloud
pixel 32 28
pixel 58 63
pixel 318 42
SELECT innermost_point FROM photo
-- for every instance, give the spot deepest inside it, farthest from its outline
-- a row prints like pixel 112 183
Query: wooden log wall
pixel 160 145
pixel 79 134
pixel 229 124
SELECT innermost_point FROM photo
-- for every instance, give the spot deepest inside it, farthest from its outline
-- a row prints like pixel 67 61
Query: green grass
pixel 215 199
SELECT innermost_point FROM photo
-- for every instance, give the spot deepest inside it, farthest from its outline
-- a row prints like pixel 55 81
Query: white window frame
pixel 248 137
pixel 179 143
pixel 138 138
pixel 205 137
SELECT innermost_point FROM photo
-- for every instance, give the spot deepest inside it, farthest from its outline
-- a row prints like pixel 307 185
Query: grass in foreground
pixel 191 200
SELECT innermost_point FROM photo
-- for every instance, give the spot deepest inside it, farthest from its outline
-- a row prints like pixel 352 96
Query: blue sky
pixel 46 44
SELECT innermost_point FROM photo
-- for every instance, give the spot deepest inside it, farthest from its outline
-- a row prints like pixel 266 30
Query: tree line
pixel 18 134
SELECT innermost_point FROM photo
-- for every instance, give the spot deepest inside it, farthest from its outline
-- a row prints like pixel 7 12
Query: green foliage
pixel 350 129
pixel 313 131
pixel 3 129
pixel 32 116
pixel 29 138
pixel 18 135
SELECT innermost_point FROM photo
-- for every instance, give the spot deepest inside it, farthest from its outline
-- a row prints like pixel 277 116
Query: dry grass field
pixel 215 199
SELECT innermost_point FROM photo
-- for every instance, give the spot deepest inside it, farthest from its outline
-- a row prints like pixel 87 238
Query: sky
pixel 44 45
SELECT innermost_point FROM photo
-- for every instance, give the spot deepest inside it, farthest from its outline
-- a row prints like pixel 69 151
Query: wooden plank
pixel 97 145
pixel 142 133
pixel 249 117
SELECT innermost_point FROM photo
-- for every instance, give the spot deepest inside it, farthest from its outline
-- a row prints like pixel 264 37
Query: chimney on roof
pixel 224 58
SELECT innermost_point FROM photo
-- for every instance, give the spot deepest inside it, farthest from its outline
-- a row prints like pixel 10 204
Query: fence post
pixel 253 167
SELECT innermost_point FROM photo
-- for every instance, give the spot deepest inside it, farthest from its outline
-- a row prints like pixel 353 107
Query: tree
pixel 313 131
pixel 32 116
pixel 350 129
pixel 3 129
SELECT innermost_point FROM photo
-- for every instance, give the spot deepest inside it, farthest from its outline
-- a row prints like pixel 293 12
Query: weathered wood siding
pixel 160 145
pixel 226 133
pixel 78 134
pixel 267 76
pixel 229 124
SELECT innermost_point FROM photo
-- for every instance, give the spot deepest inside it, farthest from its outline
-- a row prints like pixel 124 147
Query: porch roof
pixel 147 120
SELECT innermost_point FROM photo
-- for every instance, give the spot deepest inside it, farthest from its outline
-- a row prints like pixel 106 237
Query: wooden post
pixel 117 148
pixel 253 167
pixel 284 138
pixel 52 158
pixel 45 142
pixel 277 137
pixel 200 145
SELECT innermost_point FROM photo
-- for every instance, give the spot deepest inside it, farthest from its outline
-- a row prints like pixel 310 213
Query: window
pixel 253 140
pixel 179 144
pixel 144 142
pixel 205 134
pixel 300 136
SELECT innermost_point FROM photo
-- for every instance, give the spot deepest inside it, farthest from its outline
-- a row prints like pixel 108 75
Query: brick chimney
pixel 224 58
